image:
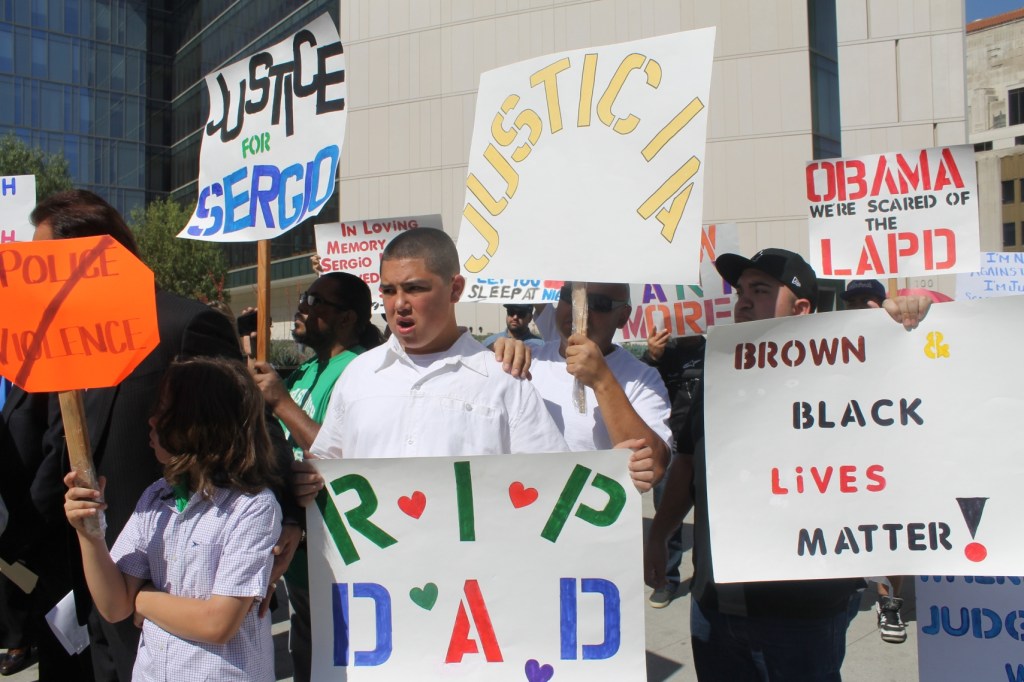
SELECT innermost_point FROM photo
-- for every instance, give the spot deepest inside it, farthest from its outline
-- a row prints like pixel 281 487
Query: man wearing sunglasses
pixel 627 404
pixel 517 326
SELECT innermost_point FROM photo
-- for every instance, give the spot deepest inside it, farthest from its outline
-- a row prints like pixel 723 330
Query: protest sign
pixel 1000 274
pixel 78 313
pixel 499 290
pixel 970 628
pixel 17 199
pixel 588 164
pixel 500 568
pixel 840 445
pixel 900 214
pixel 271 145
pixel 687 310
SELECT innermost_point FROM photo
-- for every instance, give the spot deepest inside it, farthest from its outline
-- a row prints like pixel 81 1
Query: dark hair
pixel 81 213
pixel 354 294
pixel 434 246
pixel 209 418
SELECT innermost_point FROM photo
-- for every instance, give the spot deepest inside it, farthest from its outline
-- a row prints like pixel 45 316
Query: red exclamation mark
pixel 971 508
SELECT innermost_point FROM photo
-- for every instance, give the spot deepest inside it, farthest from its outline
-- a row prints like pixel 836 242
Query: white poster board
pixel 687 309
pixel 500 290
pixel 489 568
pixel 840 445
pixel 589 164
pixel 970 628
pixel 272 143
pixel 17 199
pixel 900 214
pixel 1000 274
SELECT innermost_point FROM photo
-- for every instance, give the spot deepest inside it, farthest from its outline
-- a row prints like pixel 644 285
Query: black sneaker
pixel 663 596
pixel 890 624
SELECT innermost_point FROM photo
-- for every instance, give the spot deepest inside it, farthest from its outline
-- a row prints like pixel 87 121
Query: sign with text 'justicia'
pixel 271 145
pixel 589 164
pixel 858 448
pixel 513 567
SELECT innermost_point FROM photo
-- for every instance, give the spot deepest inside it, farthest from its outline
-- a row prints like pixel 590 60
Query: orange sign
pixel 74 313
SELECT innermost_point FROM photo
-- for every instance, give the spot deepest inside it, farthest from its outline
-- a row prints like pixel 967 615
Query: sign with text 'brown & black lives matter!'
pixel 840 445
pixel 17 199
pixel 78 313
pixel 900 214
pixel 514 567
pixel 272 142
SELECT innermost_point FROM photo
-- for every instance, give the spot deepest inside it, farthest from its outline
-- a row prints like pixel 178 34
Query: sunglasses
pixel 312 299
pixel 598 303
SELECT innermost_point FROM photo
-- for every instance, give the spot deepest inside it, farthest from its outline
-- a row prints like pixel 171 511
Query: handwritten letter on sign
pixel 272 143
pixel 841 445
pixel 514 567
pixel 596 152
pixel 900 214
pixel 17 199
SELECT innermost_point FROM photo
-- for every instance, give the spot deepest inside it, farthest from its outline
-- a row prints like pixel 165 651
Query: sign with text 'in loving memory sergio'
pixel 588 165
pixel 901 214
pixel 271 145
pixel 841 445
pixel 515 567
pixel 17 199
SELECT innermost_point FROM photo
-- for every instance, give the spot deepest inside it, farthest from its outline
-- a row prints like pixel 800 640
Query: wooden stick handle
pixel 579 326
pixel 262 299
pixel 72 410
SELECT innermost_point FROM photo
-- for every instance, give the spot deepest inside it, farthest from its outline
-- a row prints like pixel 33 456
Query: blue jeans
pixel 674 555
pixel 742 648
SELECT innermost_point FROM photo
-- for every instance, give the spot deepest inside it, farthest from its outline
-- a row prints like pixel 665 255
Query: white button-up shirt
pixel 217 546
pixel 387 404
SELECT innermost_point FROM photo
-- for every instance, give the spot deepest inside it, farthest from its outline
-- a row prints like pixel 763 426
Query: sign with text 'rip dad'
pixel 588 164
pixel 858 448
pixel 273 139
pixel 17 199
pixel 515 567
pixel 901 214
pixel 78 313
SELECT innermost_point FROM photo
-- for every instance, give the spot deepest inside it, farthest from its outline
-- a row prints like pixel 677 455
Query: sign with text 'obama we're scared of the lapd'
pixel 78 313
pixel 272 143
pixel 589 164
pixel 901 214
pixel 841 445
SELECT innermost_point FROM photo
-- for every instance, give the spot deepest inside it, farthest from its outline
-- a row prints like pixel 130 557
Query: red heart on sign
pixel 520 495
pixel 413 506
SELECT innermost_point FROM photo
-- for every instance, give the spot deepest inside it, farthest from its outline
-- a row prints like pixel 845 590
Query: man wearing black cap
pixel 768 631
pixel 517 322
pixel 862 294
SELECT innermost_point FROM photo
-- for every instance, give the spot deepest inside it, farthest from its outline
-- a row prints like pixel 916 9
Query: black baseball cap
pixel 519 308
pixel 864 287
pixel 787 267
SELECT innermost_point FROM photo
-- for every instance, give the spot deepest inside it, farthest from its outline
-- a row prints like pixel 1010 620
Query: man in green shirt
pixel 333 319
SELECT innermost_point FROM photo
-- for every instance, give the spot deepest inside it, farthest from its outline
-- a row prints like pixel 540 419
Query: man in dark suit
pixel 117 417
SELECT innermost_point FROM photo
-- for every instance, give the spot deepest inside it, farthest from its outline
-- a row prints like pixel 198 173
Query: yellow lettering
pixel 604 105
pixel 500 135
pixel 672 128
pixel 487 231
pixel 587 90
pixel 670 218
pixel 548 76
pixel 507 173
pixel 529 119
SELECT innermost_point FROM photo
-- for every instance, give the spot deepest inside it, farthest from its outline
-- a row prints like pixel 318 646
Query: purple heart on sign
pixel 535 672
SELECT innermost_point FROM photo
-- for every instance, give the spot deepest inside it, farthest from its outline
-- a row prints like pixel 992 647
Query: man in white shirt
pixel 627 404
pixel 431 390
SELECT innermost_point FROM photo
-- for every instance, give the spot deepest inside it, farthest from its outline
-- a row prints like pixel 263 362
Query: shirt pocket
pixel 199 569
pixel 475 428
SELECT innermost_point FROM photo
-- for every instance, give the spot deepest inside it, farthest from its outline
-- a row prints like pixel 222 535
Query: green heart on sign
pixel 424 597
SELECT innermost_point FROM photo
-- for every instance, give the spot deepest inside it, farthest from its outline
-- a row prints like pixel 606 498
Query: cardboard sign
pixel 17 199
pixel 273 139
pixel 1000 274
pixel 589 164
pixel 78 313
pixel 515 567
pixel 687 310
pixel 840 445
pixel 901 214
pixel 970 628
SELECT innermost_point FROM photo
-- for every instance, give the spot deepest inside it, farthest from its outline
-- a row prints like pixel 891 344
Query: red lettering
pixel 874 474
pixel 461 643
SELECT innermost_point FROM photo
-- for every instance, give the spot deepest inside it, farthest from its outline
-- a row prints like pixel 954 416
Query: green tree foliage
pixel 51 170
pixel 188 267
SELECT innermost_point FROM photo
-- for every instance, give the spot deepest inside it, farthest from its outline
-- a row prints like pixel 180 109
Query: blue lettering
pixel 298 200
pixel 262 196
pixel 203 211
pixel 330 152
pixel 342 626
pixel 7 184
pixel 232 202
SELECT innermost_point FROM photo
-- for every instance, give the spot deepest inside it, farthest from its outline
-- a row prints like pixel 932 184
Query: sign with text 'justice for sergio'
pixel 589 164
pixel 271 145
pixel 841 445
pixel 515 567
pixel 901 214
pixel 78 313
pixel 17 199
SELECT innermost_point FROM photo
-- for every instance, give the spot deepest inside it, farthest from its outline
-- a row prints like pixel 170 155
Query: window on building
pixel 1009 235
pixel 1008 196
pixel 1019 140
pixel 1015 99
pixel 983 146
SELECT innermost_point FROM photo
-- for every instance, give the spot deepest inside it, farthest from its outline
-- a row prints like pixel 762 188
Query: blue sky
pixel 979 9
